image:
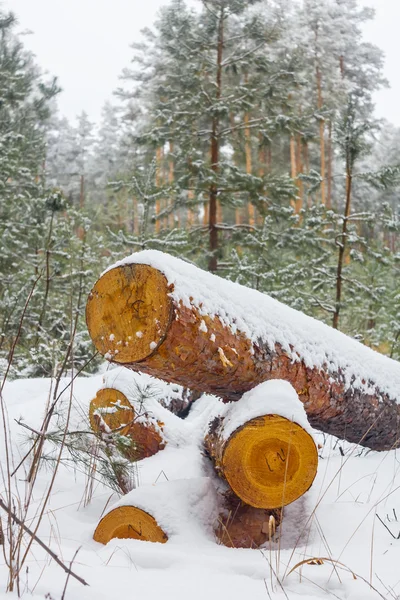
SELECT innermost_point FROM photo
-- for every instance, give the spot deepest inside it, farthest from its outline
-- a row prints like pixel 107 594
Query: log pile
pixel 140 316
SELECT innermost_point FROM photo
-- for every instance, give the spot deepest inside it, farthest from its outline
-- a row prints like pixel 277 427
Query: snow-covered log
pixel 160 511
pixel 157 314
pixel 268 460
pixel 110 412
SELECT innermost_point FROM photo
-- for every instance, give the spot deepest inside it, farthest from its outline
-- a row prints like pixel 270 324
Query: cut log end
pixel 270 461
pixel 112 408
pixel 128 313
pixel 111 411
pixel 129 522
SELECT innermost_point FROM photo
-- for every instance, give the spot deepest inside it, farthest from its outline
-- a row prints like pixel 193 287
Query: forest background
pixel 242 138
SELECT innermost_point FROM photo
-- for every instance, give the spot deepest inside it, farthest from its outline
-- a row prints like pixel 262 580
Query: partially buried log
pixel 268 462
pixel 243 526
pixel 110 412
pixel 225 339
pixel 129 522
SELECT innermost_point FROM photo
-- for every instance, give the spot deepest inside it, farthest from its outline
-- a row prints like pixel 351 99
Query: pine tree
pixel 199 79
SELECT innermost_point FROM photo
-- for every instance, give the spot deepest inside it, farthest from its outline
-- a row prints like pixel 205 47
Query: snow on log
pixel 171 396
pixel 157 314
pixel 129 522
pixel 111 412
pixel 155 513
pixel 268 460
pixel 243 526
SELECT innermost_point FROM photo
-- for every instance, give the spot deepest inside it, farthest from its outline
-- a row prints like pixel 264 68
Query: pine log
pixel 129 522
pixel 268 462
pixel 111 412
pixel 138 318
pixel 243 526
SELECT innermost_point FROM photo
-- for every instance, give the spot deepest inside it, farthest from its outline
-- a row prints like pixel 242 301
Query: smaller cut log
pixel 111 412
pixel 243 526
pixel 268 462
pixel 129 522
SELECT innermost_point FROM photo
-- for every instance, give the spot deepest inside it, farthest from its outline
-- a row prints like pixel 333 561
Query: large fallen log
pixel 157 314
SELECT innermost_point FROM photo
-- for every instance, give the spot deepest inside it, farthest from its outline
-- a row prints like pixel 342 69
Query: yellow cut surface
pixel 128 312
pixel 270 461
pixel 129 522
pixel 113 408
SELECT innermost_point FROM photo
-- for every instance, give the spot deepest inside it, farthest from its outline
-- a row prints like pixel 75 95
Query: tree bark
pixel 243 526
pixel 134 321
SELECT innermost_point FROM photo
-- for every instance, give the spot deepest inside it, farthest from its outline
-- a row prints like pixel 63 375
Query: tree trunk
pixel 158 182
pixel 299 169
pixel 294 171
pixel 249 167
pixel 134 320
pixel 342 247
pixel 330 173
pixel 171 176
pixel 321 134
pixel 268 462
pixel 213 208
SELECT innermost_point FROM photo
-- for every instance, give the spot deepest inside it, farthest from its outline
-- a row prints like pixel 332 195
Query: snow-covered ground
pixel 337 519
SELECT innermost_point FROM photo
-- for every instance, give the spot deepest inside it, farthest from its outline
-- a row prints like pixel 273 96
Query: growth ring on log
pixel 128 312
pixel 129 522
pixel 270 461
pixel 114 409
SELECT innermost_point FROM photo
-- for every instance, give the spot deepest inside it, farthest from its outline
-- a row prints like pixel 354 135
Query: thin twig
pixel 54 556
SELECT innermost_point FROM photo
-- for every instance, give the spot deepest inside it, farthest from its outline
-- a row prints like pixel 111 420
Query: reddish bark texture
pixel 232 365
pixel 243 526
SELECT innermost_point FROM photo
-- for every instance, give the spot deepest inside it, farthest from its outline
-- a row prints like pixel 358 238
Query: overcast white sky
pixel 86 44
